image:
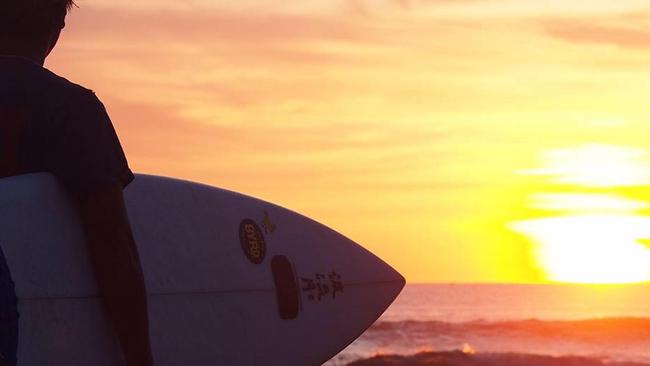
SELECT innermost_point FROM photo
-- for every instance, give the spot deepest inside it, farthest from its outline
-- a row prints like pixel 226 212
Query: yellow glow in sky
pixel 597 166
pixel 405 125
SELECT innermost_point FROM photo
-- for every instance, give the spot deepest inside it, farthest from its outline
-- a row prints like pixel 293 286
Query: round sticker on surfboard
pixel 252 241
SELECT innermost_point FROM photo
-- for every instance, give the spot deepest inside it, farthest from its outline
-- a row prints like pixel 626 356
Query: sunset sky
pixel 460 140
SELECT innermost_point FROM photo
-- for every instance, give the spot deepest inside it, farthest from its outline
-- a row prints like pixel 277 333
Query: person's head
pixel 35 24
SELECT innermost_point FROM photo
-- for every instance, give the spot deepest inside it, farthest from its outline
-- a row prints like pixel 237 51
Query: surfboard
pixel 232 280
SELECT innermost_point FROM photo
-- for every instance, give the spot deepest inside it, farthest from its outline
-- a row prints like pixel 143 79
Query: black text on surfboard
pixel 322 286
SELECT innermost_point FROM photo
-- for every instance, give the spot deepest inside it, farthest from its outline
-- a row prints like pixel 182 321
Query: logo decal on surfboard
pixel 267 224
pixel 252 241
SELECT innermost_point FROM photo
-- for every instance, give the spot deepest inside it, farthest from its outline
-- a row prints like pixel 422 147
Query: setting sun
pixel 591 248
pixel 591 237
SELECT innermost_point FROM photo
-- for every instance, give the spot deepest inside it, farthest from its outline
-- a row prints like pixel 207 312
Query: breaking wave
pixel 460 358
pixel 623 341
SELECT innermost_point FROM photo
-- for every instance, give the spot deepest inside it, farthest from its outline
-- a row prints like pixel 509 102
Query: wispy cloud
pixel 211 26
pixel 628 31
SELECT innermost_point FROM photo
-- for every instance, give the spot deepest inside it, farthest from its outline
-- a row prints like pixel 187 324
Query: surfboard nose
pixel 397 276
pixel 379 270
pixel 401 280
pixel 394 285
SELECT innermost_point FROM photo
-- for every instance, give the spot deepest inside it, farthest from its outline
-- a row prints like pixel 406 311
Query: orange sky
pixel 427 130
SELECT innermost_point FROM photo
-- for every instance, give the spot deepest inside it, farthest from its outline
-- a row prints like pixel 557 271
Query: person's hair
pixel 33 17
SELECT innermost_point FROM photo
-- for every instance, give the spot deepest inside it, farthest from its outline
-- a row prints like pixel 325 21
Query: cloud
pixel 364 7
pixel 625 31
pixel 231 67
pixel 302 86
pixel 151 127
pixel 211 26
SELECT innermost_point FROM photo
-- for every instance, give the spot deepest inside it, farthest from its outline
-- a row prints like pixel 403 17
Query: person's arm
pixel 116 263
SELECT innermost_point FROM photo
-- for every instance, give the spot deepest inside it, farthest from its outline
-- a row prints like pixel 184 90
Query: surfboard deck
pixel 231 280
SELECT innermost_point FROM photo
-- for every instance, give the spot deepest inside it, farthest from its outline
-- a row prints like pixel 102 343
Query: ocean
pixel 508 325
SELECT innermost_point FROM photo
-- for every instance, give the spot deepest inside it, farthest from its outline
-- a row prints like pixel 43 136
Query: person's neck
pixel 14 47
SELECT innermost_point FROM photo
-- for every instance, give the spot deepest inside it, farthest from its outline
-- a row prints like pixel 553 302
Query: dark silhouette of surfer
pixel 48 124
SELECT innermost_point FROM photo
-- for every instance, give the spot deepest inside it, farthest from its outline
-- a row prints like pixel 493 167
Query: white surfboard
pixel 232 280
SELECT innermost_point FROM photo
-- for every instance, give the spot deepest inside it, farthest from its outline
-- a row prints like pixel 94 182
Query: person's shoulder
pixel 71 93
pixel 75 106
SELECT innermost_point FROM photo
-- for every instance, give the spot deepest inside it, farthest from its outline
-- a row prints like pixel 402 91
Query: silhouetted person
pixel 48 124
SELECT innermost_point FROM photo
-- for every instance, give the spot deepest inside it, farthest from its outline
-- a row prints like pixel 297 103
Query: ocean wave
pixel 589 330
pixel 460 358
